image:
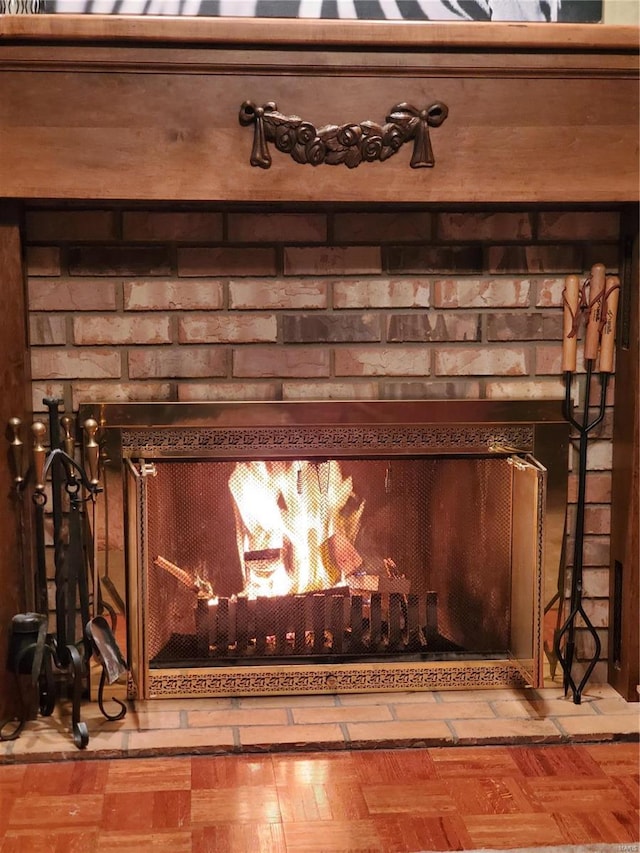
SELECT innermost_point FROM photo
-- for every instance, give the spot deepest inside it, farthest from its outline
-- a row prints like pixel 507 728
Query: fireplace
pixel 146 230
pixel 330 546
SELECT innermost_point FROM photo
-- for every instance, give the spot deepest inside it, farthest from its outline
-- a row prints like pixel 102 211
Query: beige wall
pixel 621 12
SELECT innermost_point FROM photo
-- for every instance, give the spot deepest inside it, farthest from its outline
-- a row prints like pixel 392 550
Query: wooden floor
pixel 448 798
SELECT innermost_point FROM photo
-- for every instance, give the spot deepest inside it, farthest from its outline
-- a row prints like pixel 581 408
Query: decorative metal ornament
pixel 334 678
pixel 370 438
pixel 350 144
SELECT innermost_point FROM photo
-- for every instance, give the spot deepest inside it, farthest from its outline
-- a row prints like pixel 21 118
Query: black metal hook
pixel 123 708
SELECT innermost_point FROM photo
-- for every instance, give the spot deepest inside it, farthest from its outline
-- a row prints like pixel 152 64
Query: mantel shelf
pixel 312 34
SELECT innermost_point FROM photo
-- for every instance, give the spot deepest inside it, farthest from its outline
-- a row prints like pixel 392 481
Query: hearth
pixel 330 546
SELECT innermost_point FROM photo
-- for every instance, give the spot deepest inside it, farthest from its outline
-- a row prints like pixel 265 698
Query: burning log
pixel 341 553
pixel 178 573
pixel 201 587
pixel 296 524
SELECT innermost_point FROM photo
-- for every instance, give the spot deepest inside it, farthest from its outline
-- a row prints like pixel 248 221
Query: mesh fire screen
pixel 334 559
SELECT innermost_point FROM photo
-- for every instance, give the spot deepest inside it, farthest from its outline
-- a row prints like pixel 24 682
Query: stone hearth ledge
pixel 333 722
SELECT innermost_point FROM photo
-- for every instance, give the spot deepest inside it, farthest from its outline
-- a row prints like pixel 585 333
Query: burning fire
pixel 296 525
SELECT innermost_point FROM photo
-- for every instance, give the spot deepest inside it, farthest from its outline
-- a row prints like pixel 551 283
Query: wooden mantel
pixel 147 108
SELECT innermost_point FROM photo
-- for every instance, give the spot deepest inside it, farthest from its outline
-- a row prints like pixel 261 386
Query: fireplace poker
pixel 105 578
pixel 19 471
pixel 38 430
pixel 69 557
pixel 66 650
pixel 60 563
pixel 598 300
pixel 92 458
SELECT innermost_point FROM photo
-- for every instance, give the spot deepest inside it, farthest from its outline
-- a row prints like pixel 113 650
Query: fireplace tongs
pixel 596 300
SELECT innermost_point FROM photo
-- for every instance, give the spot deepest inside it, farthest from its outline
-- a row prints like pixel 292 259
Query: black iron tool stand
pixel 597 300
pixel 58 662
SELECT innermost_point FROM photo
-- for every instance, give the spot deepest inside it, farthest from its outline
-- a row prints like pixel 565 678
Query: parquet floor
pixel 383 801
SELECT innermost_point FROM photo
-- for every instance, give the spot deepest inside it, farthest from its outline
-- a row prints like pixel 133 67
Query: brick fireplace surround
pixel 153 299
pixel 204 304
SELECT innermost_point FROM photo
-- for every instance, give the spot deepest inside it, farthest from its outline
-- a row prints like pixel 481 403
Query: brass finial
pixel 17 450
pixel 91 449
pixel 68 440
pixel 39 431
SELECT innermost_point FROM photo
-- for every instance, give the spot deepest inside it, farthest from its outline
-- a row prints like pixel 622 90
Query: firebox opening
pixel 327 560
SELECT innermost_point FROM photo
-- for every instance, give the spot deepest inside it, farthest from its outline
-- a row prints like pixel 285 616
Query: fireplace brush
pixel 596 301
pixel 34 650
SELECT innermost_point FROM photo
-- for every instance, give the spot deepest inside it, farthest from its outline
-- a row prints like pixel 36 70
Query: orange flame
pixel 292 530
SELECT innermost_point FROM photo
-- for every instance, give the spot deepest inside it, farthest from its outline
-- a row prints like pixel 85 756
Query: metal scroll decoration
pixel 350 144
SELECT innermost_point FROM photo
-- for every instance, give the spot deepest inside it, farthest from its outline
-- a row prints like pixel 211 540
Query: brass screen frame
pixel 147 431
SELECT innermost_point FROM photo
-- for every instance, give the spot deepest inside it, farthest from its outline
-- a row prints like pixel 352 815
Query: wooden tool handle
pixel 596 291
pixel 609 329
pixel 571 297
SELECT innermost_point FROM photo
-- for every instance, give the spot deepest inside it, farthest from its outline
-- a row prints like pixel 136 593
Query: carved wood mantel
pixel 135 108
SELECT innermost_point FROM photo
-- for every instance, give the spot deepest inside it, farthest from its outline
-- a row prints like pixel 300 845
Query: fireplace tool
pixel 596 300
pixel 33 650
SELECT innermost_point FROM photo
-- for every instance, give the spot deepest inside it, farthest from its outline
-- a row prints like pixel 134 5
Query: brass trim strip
pixel 334 678
pixel 302 439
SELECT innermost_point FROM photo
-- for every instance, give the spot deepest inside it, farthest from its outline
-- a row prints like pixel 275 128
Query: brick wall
pixel 208 303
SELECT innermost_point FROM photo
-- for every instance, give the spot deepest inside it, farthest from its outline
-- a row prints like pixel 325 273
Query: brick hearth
pixel 351 721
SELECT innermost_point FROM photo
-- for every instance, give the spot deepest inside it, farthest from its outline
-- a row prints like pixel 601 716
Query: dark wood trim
pixel 14 402
pixel 624 667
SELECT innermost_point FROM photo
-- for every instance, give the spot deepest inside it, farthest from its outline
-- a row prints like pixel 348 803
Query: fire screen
pixel 334 547
pixel 255 560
